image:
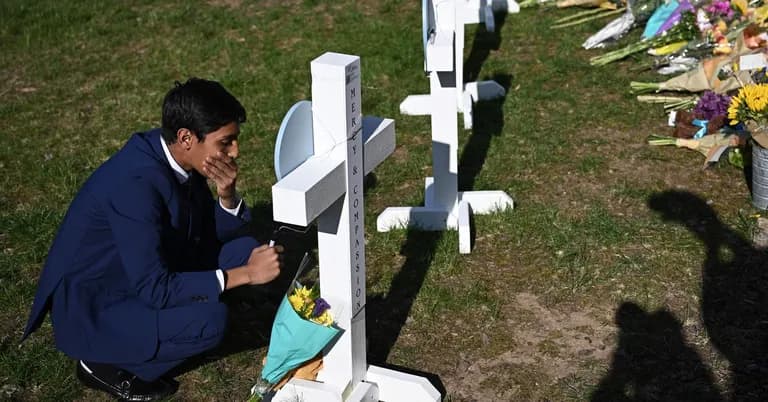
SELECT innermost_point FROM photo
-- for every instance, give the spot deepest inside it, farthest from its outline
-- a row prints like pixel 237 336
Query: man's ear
pixel 184 137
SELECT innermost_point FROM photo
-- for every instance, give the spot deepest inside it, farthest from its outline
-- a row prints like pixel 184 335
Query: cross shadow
pixel 387 314
pixel 487 116
pixel 652 361
pixel 487 122
pixel 734 292
pixel 482 44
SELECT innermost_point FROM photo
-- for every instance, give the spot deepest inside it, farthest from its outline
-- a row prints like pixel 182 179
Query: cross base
pixel 433 217
pixel 381 385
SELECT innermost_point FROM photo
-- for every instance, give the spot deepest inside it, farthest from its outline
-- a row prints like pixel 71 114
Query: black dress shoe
pixel 122 384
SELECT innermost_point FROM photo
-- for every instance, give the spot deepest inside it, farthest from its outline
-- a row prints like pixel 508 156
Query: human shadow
pixel 652 361
pixel 734 294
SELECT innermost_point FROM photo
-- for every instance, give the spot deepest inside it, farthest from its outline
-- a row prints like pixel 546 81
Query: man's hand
pixel 222 169
pixel 264 264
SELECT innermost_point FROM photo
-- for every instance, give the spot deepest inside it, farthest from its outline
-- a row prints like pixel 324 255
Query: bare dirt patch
pixel 553 343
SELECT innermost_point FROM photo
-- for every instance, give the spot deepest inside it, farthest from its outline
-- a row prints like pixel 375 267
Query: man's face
pixel 223 140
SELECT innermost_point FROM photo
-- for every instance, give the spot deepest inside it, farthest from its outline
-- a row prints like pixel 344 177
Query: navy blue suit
pixel 130 277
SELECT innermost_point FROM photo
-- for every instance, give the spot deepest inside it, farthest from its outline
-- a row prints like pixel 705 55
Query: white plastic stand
pixel 444 50
pixel 323 182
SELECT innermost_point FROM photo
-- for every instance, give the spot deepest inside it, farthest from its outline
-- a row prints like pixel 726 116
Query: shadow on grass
pixel 734 292
pixel 482 44
pixel 653 363
pixel 734 297
pixel 487 116
pixel 487 122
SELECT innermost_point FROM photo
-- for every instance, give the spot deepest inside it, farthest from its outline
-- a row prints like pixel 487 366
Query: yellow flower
pixel 297 302
pixel 756 97
pixel 324 319
pixel 761 15
pixel 734 107
pixel 303 292
pixel 740 5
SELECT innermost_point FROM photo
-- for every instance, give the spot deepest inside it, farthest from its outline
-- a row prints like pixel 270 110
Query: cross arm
pixel 311 188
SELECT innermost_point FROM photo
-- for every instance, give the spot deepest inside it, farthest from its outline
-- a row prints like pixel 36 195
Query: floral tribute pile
pixel 713 54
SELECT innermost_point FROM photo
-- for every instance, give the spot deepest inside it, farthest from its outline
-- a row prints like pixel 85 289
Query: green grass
pixel 567 143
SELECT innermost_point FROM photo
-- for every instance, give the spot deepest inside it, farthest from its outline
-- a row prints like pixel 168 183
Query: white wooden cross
pixel 321 166
pixel 444 206
pixel 443 35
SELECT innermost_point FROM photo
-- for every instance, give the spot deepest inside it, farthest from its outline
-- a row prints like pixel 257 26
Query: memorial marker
pixel 444 206
pixel 323 151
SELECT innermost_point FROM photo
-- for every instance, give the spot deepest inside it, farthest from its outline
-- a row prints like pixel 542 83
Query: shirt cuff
pixel 220 277
pixel 234 211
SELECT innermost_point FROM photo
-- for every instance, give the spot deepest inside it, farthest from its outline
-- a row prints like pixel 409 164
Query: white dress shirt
pixel 182 175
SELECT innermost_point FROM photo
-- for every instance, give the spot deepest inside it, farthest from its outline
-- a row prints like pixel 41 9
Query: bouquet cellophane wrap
pixel 705 76
pixel 294 339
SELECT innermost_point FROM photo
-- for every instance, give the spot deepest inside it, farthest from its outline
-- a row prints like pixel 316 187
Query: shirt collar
pixel 181 174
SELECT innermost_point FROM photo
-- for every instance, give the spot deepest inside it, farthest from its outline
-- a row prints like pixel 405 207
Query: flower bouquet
pixel 665 17
pixel 715 74
pixel 638 11
pixel 586 16
pixel 671 103
pixel 708 116
pixel 750 106
pixel 303 326
pixel 712 146
pixel 685 30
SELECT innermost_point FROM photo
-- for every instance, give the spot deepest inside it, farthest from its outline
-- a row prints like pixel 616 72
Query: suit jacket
pixel 133 242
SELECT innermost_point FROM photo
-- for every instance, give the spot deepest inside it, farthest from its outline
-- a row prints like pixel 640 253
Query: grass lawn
pixel 624 272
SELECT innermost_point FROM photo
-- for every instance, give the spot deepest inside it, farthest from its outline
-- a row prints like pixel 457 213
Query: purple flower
pixel 320 306
pixel 711 105
pixel 720 9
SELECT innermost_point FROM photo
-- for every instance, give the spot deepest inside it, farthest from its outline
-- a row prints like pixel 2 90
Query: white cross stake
pixel 444 206
pixel 443 35
pixel 323 152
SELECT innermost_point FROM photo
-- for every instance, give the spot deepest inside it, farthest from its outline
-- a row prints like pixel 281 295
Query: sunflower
pixel 751 103
pixel 757 98
pixel 736 108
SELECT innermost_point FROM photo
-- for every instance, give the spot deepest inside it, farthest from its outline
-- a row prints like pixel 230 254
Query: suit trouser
pixel 186 331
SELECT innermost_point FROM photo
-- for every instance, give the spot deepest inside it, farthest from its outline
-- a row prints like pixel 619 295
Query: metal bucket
pixel 759 176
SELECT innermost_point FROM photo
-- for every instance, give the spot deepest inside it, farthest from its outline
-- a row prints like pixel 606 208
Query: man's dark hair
pixel 202 106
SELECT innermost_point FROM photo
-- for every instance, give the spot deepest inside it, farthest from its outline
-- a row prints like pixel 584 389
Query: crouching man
pixel 133 277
